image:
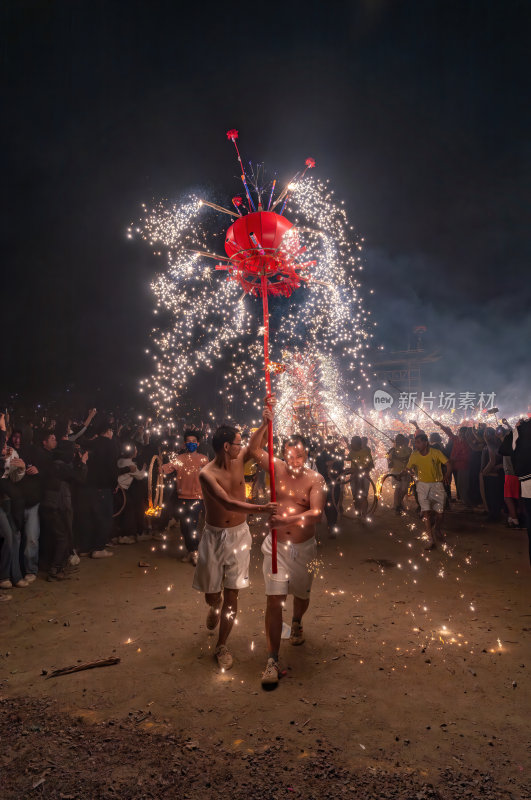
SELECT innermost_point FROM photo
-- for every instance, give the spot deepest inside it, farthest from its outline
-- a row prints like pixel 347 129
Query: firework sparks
pixel 204 320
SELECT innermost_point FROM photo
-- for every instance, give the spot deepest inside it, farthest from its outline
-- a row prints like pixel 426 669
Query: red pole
pixel 270 424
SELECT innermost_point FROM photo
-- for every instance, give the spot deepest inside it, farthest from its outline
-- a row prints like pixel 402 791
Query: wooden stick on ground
pixel 103 662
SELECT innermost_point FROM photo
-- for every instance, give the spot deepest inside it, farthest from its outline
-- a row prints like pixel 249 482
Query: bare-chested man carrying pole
pixel 225 547
pixel 301 495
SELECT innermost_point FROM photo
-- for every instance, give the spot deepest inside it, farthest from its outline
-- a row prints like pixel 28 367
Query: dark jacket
pixel 57 477
pixel 102 463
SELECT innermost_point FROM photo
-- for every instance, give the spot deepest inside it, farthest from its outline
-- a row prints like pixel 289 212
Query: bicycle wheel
pixel 120 502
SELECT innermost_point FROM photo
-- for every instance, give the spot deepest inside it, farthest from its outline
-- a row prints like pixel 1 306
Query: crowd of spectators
pixel 71 490
pixel 64 494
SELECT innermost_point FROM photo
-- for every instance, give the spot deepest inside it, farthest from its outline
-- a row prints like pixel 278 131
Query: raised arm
pixel 211 487
pixel 255 448
pixel 448 431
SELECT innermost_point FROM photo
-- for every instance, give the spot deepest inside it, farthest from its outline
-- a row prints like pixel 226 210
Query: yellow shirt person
pixel 428 467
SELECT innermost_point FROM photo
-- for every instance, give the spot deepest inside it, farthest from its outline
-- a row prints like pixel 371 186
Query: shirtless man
pixel 301 495
pixel 225 547
pixel 189 506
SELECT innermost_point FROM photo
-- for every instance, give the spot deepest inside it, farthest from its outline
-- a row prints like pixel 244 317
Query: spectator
pixel 29 491
pixel 517 444
pixel 132 482
pixel 361 464
pixel 492 474
pixel 58 470
pixel 10 574
pixel 330 464
pixel 102 480
pixel 460 454
pixel 397 459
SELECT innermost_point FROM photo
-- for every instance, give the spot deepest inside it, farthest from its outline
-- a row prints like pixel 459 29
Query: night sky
pixel 418 112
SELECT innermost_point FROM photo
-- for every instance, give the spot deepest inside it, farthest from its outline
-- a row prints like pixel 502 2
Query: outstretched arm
pixel 212 488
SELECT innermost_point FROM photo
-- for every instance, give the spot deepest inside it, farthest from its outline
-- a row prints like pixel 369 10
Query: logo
pixel 382 400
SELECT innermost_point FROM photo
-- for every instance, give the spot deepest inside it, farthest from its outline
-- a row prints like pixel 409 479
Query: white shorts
pixel 431 496
pixel 294 564
pixel 223 559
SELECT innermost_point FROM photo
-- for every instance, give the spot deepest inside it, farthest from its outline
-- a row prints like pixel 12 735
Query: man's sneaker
pixel 21 584
pixel 101 554
pixel 193 558
pixel 297 635
pixel 4 598
pixel 223 657
pixel 212 619
pixel 73 559
pixel 30 578
pixel 126 540
pixel 6 584
pixel 270 674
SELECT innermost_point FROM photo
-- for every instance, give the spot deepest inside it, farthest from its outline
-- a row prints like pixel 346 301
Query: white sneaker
pixel 74 559
pixel 102 554
pixel 126 540
pixel 30 578
pixel 6 584
pixel 270 674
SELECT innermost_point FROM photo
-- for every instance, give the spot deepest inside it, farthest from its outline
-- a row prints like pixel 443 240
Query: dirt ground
pixel 412 683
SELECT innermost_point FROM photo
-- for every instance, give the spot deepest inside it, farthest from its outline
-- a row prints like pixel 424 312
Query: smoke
pixel 483 344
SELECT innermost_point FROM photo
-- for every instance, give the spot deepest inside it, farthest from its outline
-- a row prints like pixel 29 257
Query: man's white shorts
pixel 295 567
pixel 223 559
pixel 431 496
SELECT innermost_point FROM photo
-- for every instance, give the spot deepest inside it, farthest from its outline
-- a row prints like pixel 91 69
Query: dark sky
pixel 418 112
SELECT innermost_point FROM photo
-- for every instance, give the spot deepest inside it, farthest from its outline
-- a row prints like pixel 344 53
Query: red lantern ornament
pixel 263 251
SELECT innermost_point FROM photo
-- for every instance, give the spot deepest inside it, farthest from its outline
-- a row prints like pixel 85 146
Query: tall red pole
pixel 265 309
